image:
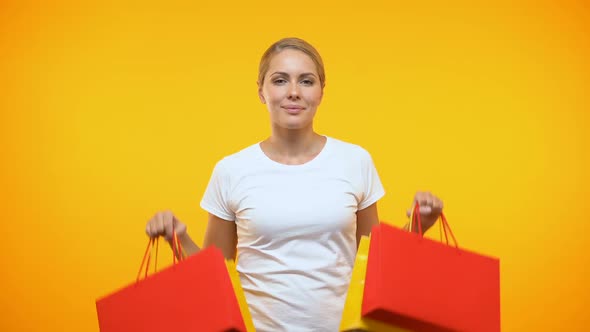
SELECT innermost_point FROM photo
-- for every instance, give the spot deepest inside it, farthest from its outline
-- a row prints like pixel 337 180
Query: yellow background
pixel 111 111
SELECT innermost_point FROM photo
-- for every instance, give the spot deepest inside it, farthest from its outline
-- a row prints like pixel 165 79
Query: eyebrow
pixel 281 73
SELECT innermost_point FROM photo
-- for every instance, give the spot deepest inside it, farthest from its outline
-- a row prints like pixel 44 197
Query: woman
pixel 294 205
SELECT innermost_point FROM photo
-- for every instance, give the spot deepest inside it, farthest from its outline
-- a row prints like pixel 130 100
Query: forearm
pixel 189 247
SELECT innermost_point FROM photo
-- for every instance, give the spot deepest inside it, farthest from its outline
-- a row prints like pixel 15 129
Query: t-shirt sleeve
pixel 372 187
pixel 216 198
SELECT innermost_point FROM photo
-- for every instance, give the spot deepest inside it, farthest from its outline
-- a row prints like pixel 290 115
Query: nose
pixel 294 92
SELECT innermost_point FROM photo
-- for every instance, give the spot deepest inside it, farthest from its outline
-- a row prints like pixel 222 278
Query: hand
pixel 430 209
pixel 161 225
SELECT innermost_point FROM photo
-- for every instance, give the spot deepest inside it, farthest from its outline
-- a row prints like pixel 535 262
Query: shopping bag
pixel 425 285
pixel 194 294
pixel 351 315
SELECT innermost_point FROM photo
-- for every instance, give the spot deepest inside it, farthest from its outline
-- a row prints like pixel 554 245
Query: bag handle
pixel 177 251
pixel 444 224
pixel 148 257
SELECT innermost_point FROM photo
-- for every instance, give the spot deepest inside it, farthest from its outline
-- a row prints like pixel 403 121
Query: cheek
pixel 273 102
pixel 315 97
pixel 273 90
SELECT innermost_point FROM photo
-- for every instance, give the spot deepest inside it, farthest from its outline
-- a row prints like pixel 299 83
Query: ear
pixel 260 95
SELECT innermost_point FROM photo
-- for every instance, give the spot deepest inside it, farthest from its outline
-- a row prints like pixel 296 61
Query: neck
pixel 292 142
pixel 290 146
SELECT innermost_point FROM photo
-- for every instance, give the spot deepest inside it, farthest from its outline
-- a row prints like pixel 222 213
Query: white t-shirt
pixel 296 227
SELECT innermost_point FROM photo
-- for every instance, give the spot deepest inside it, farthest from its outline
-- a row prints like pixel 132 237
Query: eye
pixel 279 81
pixel 307 82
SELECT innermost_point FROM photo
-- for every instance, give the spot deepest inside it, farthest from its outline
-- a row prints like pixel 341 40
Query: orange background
pixel 112 111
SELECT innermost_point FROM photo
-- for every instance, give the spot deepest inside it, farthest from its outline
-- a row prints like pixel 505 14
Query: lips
pixel 293 109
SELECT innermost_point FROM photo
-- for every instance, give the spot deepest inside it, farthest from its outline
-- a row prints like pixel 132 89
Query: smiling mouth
pixel 293 109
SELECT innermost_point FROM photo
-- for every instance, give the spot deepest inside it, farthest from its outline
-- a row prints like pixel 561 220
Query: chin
pixel 299 122
pixel 292 125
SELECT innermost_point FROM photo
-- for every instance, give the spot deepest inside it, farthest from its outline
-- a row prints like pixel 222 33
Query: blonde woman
pixel 293 206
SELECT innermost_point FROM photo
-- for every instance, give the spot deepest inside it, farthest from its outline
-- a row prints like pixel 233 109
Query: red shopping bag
pixel 424 285
pixel 195 294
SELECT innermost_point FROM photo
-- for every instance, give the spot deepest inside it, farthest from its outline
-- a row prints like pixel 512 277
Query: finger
pixel 431 199
pixel 174 220
pixel 423 198
pixel 437 204
pixel 151 227
pixel 168 224
pixel 159 223
pixel 425 210
pixel 418 197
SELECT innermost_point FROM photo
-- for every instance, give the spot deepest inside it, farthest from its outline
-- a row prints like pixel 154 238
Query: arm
pixel 365 220
pixel 223 235
pixel 220 233
pixel 189 247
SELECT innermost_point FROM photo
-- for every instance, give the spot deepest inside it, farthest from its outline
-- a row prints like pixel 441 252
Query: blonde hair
pixel 295 44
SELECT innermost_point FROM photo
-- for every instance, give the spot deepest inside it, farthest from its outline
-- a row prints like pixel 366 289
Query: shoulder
pixel 240 159
pixel 349 150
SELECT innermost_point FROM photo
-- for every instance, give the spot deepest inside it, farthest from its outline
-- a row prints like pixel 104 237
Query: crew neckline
pixel 318 157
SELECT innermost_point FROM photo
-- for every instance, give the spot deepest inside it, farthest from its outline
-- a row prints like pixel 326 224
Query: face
pixel 292 90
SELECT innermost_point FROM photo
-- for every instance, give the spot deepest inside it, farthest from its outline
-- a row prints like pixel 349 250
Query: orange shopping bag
pixel 426 285
pixel 194 294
